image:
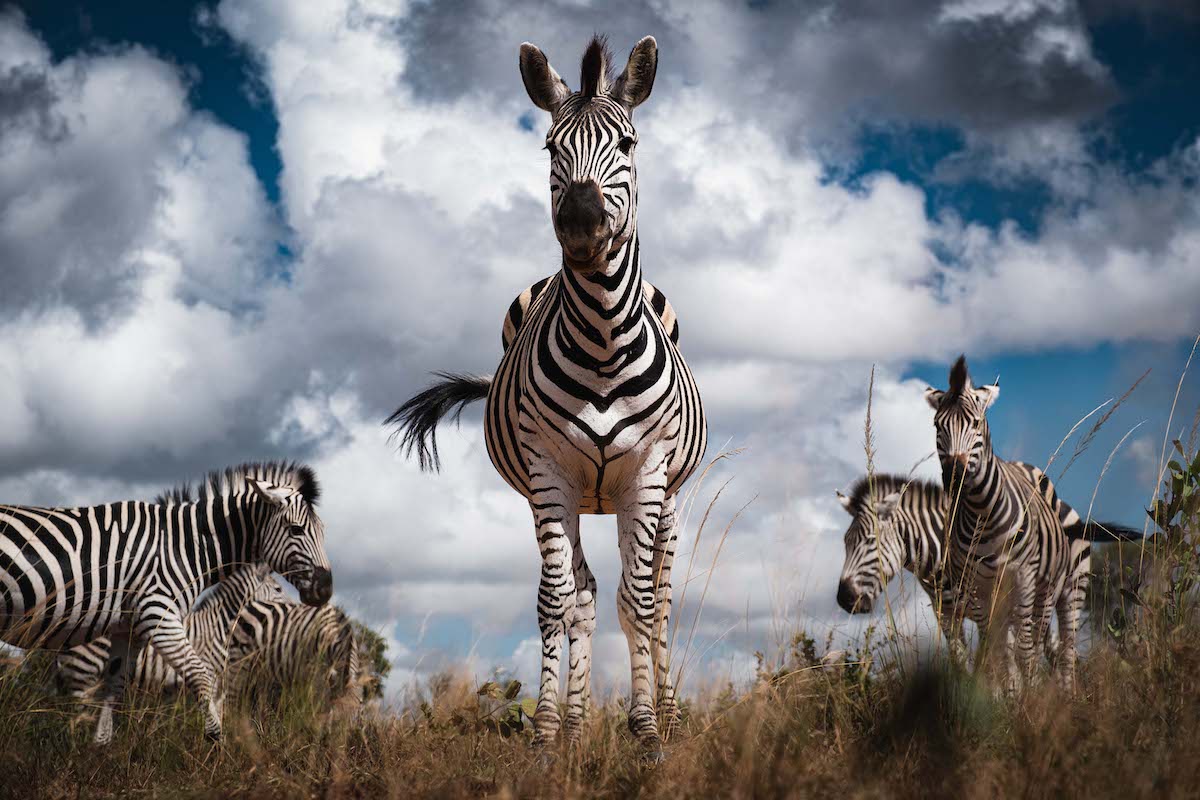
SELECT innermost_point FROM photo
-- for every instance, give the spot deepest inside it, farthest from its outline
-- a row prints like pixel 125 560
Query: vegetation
pixel 866 723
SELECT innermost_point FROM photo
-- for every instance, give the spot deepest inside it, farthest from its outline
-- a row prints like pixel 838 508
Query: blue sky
pixel 309 215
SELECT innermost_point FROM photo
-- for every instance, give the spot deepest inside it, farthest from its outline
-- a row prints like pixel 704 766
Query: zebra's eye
pixel 296 530
pixel 551 149
pixel 625 145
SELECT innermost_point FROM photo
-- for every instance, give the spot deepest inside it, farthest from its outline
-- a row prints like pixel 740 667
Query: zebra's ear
pixel 546 89
pixel 635 83
pixel 275 495
pixel 933 397
pixel 986 395
pixel 887 505
pixel 845 501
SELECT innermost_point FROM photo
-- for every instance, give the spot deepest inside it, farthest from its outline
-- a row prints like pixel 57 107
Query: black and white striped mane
pixel 232 480
pixel 884 484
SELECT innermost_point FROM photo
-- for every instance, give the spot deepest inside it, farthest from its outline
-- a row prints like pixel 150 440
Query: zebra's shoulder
pixel 518 309
pixel 662 309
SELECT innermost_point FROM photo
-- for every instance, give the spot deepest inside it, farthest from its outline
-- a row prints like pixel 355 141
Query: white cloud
pixel 151 337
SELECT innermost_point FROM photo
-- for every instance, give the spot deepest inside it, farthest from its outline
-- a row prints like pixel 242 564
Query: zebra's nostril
pixel 846 596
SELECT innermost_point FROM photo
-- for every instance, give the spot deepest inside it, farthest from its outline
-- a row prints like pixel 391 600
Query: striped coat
pixel 592 409
pixel 900 523
pixel 1009 560
pixel 80 670
pixel 132 570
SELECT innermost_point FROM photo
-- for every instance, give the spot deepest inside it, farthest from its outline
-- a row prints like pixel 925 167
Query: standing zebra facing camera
pixel 592 409
pixel 1002 528
pixel 132 570
pixel 900 523
pixel 80 670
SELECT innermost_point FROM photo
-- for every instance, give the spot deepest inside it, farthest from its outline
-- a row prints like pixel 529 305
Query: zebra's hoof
pixel 213 735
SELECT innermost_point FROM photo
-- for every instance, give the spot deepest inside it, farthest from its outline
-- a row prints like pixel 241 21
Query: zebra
pixel 131 570
pixel 1001 529
pixel 900 523
pixel 80 670
pixel 592 409
pixel 284 640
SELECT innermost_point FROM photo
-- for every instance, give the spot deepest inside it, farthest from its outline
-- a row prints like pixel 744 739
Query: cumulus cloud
pixel 149 331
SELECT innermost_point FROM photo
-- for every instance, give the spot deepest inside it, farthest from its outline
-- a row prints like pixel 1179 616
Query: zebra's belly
pixel 605 469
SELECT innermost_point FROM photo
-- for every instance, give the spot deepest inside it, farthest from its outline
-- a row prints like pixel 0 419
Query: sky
pixel 245 229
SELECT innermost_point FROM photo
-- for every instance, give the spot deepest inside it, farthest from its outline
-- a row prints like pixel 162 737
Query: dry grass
pixel 801 730
pixel 865 724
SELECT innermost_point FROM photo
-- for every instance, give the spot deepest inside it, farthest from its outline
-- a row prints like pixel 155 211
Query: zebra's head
pixel 960 418
pixel 591 141
pixel 242 585
pixel 874 548
pixel 291 539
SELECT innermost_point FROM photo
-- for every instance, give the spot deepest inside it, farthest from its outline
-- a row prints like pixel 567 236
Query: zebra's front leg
pixel 950 620
pixel 1027 620
pixel 582 626
pixel 118 670
pixel 664 557
pixel 163 628
pixel 555 508
pixel 1069 608
pixel 637 530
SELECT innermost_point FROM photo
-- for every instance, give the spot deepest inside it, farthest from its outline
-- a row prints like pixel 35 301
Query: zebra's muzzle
pixel 317 590
pixel 851 601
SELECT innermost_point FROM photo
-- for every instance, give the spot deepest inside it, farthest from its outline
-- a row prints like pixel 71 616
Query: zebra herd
pixel 992 542
pixel 117 586
pixel 592 410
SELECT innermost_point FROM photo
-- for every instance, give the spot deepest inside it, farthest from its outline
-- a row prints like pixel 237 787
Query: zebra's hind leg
pixel 664 557
pixel 164 630
pixel 555 512
pixel 582 626
pixel 637 529
pixel 122 656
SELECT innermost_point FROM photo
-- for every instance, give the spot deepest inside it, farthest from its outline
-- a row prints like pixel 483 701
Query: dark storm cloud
pixel 26 103
pixel 805 67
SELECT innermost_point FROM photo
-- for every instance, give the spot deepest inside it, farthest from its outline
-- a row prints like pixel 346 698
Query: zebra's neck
pixel 601 320
pixel 213 537
pixel 922 545
pixel 979 507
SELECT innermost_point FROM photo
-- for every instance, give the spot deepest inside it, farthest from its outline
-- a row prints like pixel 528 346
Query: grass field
pixel 867 724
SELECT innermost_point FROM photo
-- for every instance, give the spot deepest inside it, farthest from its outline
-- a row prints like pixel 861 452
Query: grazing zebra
pixel 285 641
pixel 900 523
pixel 592 409
pixel 1002 529
pixel 80 670
pixel 131 570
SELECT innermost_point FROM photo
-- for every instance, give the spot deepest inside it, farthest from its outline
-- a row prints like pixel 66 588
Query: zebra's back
pixel 286 642
pixel 67 574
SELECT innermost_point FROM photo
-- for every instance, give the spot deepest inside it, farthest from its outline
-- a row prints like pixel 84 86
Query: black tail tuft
pixel 1104 532
pixel 416 421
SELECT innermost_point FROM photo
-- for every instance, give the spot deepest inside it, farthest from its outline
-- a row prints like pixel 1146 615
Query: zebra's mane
pixel 232 480
pixel 958 380
pixel 594 77
pixel 884 485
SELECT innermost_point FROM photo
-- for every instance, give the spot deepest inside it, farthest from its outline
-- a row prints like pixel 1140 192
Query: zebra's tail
pixel 416 421
pixel 1103 532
